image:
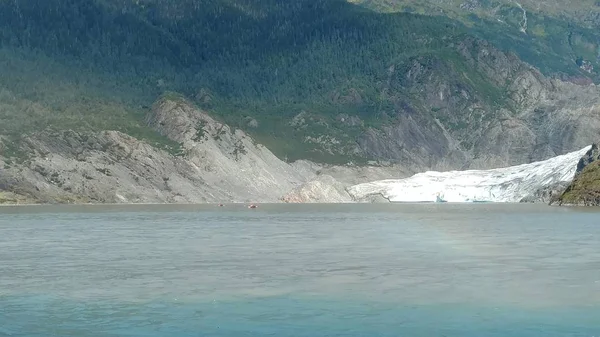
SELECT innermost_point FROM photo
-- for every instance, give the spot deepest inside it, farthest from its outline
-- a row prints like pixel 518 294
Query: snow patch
pixel 509 184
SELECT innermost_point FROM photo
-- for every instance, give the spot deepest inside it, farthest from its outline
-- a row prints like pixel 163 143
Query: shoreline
pixel 241 208
pixel 217 204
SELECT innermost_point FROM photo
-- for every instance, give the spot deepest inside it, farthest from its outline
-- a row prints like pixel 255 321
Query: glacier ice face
pixel 509 184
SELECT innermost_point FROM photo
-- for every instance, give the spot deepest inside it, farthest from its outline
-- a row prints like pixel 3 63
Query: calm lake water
pixel 300 270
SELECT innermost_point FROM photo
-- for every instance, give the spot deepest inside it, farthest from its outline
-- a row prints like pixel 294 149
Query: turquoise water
pixel 300 270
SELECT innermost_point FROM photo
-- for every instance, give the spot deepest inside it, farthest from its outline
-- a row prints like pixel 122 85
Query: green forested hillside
pixel 583 12
pixel 556 34
pixel 99 64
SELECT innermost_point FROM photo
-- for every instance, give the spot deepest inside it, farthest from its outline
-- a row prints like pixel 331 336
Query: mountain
pixel 321 80
pixel 215 163
pixel 219 164
pixel 584 12
pixel 555 36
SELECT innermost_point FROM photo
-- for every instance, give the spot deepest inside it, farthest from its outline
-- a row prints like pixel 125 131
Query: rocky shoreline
pixel 584 190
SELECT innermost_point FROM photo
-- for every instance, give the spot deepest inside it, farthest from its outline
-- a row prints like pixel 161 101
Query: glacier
pixel 508 184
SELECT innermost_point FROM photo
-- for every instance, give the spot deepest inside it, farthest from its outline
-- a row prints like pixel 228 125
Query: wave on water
pixel 286 316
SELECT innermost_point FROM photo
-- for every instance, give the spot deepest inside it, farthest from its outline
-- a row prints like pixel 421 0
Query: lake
pixel 300 270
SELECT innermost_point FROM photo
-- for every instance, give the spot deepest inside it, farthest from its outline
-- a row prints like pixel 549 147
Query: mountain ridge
pixel 216 163
pixel 325 81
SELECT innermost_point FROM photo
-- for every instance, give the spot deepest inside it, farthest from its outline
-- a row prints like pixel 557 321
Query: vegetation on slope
pixel 555 36
pixel 99 64
pixel 585 189
pixel 584 12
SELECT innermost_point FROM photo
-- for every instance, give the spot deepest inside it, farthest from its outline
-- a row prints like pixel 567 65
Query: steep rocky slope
pixel 317 82
pixel 585 188
pixel 214 164
pixel 494 111
pixel 324 189
pixel 320 80
pixel 586 12
pixel 560 38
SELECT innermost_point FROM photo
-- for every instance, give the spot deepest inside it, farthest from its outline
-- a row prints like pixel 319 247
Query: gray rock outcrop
pixel 547 194
pixel 323 189
pixel 584 190
pixel 453 123
pixel 214 163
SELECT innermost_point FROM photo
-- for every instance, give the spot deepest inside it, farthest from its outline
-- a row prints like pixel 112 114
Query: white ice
pixel 509 184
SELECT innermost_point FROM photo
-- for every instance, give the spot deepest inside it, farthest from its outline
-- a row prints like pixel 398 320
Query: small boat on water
pixel 439 198
pixel 252 206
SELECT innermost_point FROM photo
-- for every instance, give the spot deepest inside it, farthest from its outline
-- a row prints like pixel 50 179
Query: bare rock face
pixel 331 182
pixel 514 115
pixel 584 190
pixel 215 163
pixel 547 195
pixel 323 189
pixel 107 167
pixel 591 156
pixel 225 158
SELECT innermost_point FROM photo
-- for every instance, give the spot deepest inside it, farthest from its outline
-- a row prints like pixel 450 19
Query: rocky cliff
pixel 313 81
pixel 585 188
pixel 491 111
pixel 214 163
